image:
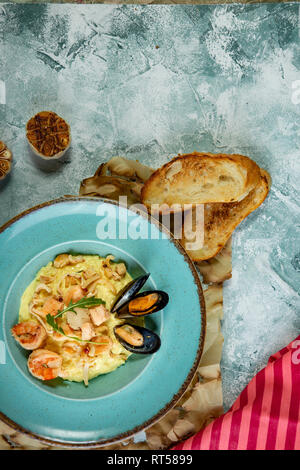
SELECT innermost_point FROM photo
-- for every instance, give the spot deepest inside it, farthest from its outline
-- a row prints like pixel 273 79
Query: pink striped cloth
pixel 266 416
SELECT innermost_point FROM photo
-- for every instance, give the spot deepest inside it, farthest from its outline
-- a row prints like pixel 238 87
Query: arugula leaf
pixel 85 302
pixel 51 321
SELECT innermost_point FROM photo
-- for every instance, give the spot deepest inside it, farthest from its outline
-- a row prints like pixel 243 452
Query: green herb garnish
pixel 85 302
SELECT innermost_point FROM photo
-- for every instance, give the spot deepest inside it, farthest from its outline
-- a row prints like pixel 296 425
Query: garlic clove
pixel 5 160
pixel 5 168
pixel 5 153
pixel 48 135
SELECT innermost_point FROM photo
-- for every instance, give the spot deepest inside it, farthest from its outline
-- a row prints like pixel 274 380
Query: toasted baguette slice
pixel 220 220
pixel 200 178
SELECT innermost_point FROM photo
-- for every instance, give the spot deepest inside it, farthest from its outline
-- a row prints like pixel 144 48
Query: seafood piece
pixel 76 259
pixel 87 331
pixel 43 287
pixel 76 320
pixel 56 336
pixel 75 293
pixel 129 334
pixel 29 334
pixel 51 306
pixel 71 348
pixel 68 330
pixel 108 271
pixel 65 259
pixel 99 315
pixel 44 364
pixel 90 280
pixel 37 314
pixel 46 279
pixel 93 350
pixel 72 280
pixel 48 135
pixel 121 269
pixel 61 261
pixel 137 339
pixel 143 304
pixel 129 291
pixel 116 274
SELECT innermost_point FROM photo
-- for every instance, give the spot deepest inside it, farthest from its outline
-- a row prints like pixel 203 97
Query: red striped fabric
pixel 266 416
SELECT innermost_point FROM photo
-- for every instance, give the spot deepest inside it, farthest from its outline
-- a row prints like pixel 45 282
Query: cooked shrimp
pixel 99 315
pixel 75 293
pixel 44 364
pixel 51 306
pixel 29 334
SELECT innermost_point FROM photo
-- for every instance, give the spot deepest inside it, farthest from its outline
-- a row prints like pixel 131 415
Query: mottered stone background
pixel 149 82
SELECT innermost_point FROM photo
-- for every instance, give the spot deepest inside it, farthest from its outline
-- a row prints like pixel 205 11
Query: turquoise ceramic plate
pixel 121 403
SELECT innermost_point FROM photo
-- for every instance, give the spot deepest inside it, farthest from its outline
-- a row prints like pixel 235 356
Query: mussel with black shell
pixel 137 339
pixel 129 292
pixel 131 304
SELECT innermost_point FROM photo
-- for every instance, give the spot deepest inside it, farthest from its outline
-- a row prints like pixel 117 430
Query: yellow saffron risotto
pixel 71 278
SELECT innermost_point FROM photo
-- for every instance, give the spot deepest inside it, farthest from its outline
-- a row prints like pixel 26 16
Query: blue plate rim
pixel 176 397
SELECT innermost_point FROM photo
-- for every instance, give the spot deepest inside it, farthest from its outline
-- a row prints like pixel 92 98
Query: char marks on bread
pixel 200 178
pixel 220 219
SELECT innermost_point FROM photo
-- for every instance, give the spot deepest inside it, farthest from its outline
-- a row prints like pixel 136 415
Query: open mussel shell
pixel 129 291
pixel 137 339
pixel 143 304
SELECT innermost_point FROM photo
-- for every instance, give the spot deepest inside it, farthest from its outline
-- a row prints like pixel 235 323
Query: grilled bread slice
pixel 200 178
pixel 221 219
